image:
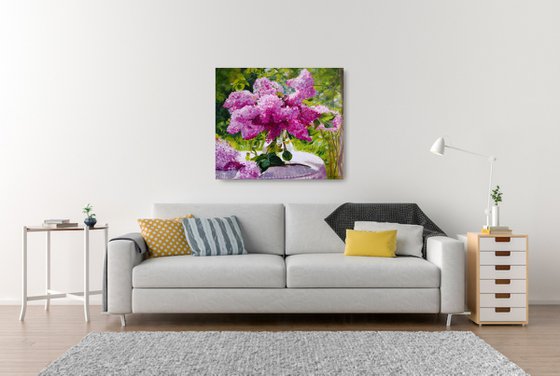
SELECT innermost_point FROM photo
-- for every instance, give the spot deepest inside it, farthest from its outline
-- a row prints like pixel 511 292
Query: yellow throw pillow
pixel 370 243
pixel 165 237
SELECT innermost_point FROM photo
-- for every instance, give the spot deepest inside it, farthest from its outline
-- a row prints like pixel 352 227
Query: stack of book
pixel 505 230
pixel 59 223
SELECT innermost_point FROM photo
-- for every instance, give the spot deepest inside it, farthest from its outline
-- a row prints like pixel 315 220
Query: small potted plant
pixel 496 196
pixel 90 220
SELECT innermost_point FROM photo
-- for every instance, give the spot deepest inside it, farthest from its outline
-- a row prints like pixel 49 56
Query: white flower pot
pixel 495 215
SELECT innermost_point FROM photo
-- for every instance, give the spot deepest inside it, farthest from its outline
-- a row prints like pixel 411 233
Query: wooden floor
pixel 26 348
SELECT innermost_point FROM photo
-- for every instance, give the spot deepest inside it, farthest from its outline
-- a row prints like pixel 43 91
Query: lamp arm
pixel 439 143
pixel 469 152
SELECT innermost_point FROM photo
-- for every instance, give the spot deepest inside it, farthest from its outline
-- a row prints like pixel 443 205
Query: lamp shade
pixel 438 147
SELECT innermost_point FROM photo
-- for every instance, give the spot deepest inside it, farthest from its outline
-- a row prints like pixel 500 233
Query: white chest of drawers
pixel 497 283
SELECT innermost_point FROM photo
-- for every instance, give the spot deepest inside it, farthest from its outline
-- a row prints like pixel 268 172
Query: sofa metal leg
pixel 449 316
pixel 123 320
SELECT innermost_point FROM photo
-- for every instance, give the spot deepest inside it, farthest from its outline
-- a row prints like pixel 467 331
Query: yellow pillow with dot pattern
pixel 165 237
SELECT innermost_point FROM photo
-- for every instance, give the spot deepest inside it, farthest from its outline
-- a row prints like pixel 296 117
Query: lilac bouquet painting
pixel 279 123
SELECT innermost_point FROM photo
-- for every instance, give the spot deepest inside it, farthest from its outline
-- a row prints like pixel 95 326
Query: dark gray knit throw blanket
pixel 345 215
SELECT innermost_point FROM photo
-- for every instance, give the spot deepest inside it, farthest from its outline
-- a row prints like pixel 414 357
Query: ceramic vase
pixel 495 215
pixel 90 222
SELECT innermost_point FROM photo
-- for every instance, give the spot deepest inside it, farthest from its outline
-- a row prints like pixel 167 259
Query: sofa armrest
pixel 122 257
pixel 449 255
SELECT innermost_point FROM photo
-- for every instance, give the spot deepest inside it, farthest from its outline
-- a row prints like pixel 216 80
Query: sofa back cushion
pixel 262 225
pixel 409 237
pixel 307 231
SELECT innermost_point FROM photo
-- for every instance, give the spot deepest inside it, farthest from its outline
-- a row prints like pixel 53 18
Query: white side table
pixel 53 294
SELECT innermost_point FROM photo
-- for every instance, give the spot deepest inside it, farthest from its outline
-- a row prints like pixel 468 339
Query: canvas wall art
pixel 279 123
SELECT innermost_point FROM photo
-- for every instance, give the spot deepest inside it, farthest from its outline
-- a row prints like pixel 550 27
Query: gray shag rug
pixel 283 353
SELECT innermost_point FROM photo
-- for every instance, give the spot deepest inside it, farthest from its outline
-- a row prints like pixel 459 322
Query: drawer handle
pixel 502 253
pixel 503 239
pixel 503 281
pixel 502 309
pixel 502 296
pixel 502 267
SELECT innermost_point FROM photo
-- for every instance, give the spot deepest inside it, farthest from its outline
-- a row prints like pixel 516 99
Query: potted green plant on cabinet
pixel 496 196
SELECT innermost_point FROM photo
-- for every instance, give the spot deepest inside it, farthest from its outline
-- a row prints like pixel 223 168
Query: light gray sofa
pixel 295 264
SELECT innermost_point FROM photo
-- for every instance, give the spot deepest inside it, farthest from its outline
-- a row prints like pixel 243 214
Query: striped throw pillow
pixel 214 236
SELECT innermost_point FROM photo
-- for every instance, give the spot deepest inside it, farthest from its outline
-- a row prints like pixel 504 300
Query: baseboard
pixel 93 301
pixel 545 302
pixel 96 300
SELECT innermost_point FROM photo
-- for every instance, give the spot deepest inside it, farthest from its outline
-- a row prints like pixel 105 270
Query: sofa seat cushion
pixel 335 270
pixel 250 270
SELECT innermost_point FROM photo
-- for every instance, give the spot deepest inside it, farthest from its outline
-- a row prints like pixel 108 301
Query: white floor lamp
pixel 439 147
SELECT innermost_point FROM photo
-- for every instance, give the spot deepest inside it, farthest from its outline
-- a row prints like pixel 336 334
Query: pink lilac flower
pixel 263 86
pixel 274 131
pixel 242 120
pixel 239 99
pixel 321 109
pixel 270 107
pixel 265 111
pixel 249 170
pixel 227 159
pixel 307 114
pixel 299 130
pixel 226 156
pixel 304 88
pixel 336 122
pixel 251 131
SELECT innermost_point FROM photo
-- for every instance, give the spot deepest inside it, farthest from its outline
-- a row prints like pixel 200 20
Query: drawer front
pixel 503 272
pixel 513 286
pixel 503 244
pixel 503 258
pixel 503 300
pixel 513 314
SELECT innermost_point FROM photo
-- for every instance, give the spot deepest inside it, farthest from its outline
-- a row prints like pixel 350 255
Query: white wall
pixel 112 102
